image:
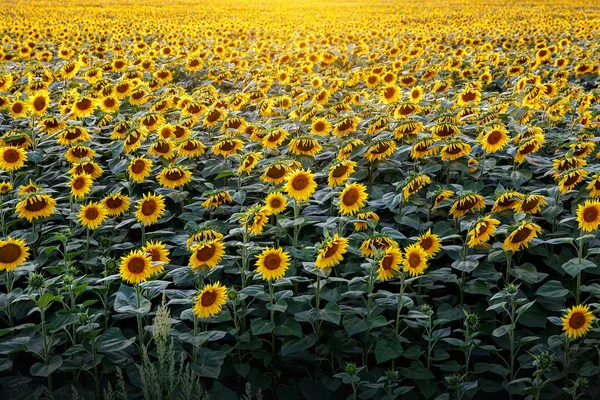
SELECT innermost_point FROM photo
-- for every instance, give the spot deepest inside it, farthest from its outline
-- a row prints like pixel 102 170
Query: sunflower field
pixel 235 199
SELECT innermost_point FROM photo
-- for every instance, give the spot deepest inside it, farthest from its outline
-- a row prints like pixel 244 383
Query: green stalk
pixel 139 317
pixel 9 287
pixel 580 258
pixel 272 311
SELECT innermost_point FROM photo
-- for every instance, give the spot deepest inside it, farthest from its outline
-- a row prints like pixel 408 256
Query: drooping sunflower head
pixel 407 127
pixel 76 154
pixel 248 162
pixel 274 138
pixel 578 321
pixel 116 204
pixel 531 204
pixel 570 178
pixel 255 219
pixel 174 177
pixel 150 208
pixel 13 253
pixel 217 198
pixel 36 206
pixel 191 148
pixel 389 263
pixel 162 148
pixel 363 220
pixel 507 200
pixel 415 260
pixel 521 235
pixel 455 149
pixel 340 171
pixel 352 198
pixel 304 145
pixel 441 195
pixel 207 254
pixel 202 235
pixel 413 184
pixel 226 147
pixel 272 263
pixel 331 251
pixel 210 300
pixel 87 167
pixel 136 267
pixel 380 150
pixel 588 215
pixel 465 203
pixel 300 184
pixel 374 243
pixel 482 230
pixel 430 242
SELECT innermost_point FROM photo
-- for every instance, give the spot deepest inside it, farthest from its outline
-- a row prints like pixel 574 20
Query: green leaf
pixel 297 344
pixel 43 370
pixel 416 372
pixel 574 267
pixel 331 313
pixel 466 265
pixel 126 302
pixel 112 341
pixel 261 326
pixel 208 363
pixel 552 289
pixel 290 327
pixel 501 331
pixel 354 325
pixel 388 348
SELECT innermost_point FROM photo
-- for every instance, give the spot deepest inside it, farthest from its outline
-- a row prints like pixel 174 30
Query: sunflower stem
pixel 4 229
pixel 272 312
pixel 580 258
pixel 87 248
pixel 317 306
pixel 9 286
pixel 508 262
pixel 296 228
pixel 567 361
pixel 398 312
pixel 143 234
pixel 195 351
pixel 138 299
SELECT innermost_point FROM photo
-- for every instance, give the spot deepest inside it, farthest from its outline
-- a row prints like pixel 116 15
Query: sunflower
pixel 109 104
pixel 363 218
pixel 275 173
pixel 569 179
pixel 16 139
pixel 588 215
pixel 331 251
pixel 415 260
pixel 150 208
pixel 80 185
pixel 248 162
pixel 373 243
pixel 39 102
pixel 134 139
pixel 531 204
pixel 494 139
pixel 320 127
pixel 73 134
pixel 136 267
pixel 352 198
pixel 191 148
pixel 529 146
pixel 158 253
pixel 210 300
pixel 116 204
pixel 12 158
pixel 423 147
pixel 255 219
pixel 442 195
pixel 345 126
pixel 300 184
pixel 276 202
pixel 92 215
pixel 507 200
pixel 594 186
pixel 380 150
pixel 469 96
pixel 204 234
pixel 416 94
pixel 274 138
pixel 5 187
pixel 348 147
pixel 227 147
pixel 566 163
pixel 445 130
pixel 19 109
pixel 389 94
pixel 482 231
pixel 304 145
pixel 520 236
pixel 174 177
pixel 430 242
pixel 340 171
pixel 13 252
pixel 162 148
pixel 206 254
pixel 217 198
pixel 272 263
pixel 465 203
pixel 76 154
pixel 578 321
pixel 407 127
pixel 413 184
pixel 213 117
pixel 139 169
pixel 389 264
pixel 36 206
pixel 84 106
pixel 87 167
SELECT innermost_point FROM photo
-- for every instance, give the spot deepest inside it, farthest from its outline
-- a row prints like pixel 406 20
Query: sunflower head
pixel 331 251
pixel 13 252
pixel 588 215
pixel 352 198
pixel 415 260
pixel 578 321
pixel 150 208
pixel 300 184
pixel 272 263
pixel 389 263
pixel 207 254
pixel 136 267
pixel 210 300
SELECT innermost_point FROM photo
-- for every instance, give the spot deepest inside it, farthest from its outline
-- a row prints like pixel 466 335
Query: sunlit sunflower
pixel 465 203
pixel 77 153
pixel 578 321
pixel 150 208
pixel 594 186
pixel 373 243
pixel 39 102
pixel 569 179
pixel 331 251
pixel 139 169
pixel 352 198
pixel 441 195
pixel 92 215
pixel 272 263
pixel 445 130
pixel 87 167
pixel 588 215
pixel 116 204
pixel 469 96
pixel 217 198
pixel 227 147
pixel 84 106
pixel 162 148
pixel 407 127
pixel 12 158
pixel 454 149
pixel 531 204
pixel 80 185
pixel 274 138
pixel 430 242
pixel 482 230
pixel 363 219
pixel 204 234
pixel 300 184
pixel 206 254
pixel 304 145
pixel 210 300
pixel 136 267
pixel 390 94
pixel 320 127
pixel 348 147
pixel 521 236
pixel 380 150
pixel 275 173
pixel 158 253
pixel 19 109
pixel 174 177
pixel 424 146
pixel 72 135
pixel 415 260
pixel 13 253
pixel 340 171
pixel 413 184
pixel 5 187
pixel 529 146
pixel 36 206
pixel 566 163
pixel 249 161
pixel 507 200
pixel 276 202
pixel 389 264
pixel 416 94
pixel 255 219
pixel 191 148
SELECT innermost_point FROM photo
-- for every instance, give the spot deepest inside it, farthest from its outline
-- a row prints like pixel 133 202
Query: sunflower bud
pixel 232 294
pixel 543 360
pixel 36 281
pixel 351 369
pixel 471 321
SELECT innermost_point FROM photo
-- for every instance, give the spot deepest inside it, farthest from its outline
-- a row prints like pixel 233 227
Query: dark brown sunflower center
pixel 386 261
pixel 381 148
pixel 78 183
pixel 529 204
pixel 9 253
pixel 452 150
pixel 275 203
pixel 528 148
pixel 350 197
pixel 109 102
pixel 345 125
pixel 206 253
pixel 306 145
pixel 213 116
pixel 507 202
pixel 319 126
pixel 467 203
pixel 17 108
pixel 73 134
pixel 300 182
pixel 35 205
pixel 190 146
pixel 389 93
pixel 590 214
pixel 331 249
pixel 521 235
pixel 276 172
pixel 481 229
pixel 39 103
pixel 426 243
pixel 79 152
pixel 12 156
pixel 91 213
pixel 113 202
pixel 339 171
pixel 414 260
pixel 208 298
pixel 136 265
pixel 469 96
pixel 83 104
pixel 149 207
pixel 272 262
pixel 572 180
pixel 154 254
pixel 444 130
pixel 494 137
pixel 138 167
pixel 577 320
pixel 174 175
pixel 227 145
